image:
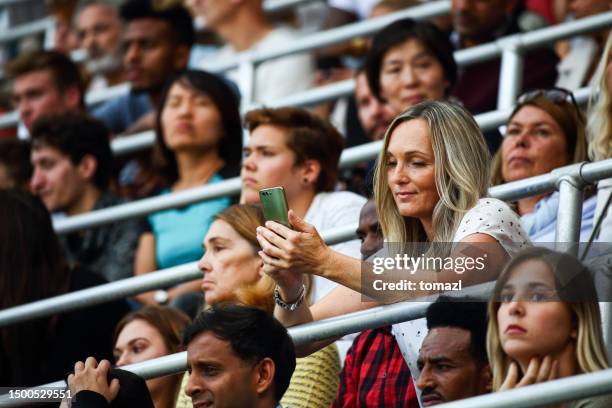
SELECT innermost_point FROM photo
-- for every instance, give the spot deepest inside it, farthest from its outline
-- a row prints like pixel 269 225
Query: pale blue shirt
pixel 542 222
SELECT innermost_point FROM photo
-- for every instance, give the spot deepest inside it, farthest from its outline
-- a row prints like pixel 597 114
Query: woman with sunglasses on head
pixel 599 129
pixel 544 324
pixel 545 131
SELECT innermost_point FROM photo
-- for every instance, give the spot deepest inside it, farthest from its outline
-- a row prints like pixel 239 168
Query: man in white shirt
pixel 245 27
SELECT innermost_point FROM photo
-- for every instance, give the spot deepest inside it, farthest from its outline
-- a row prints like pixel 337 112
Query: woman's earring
pixel 305 180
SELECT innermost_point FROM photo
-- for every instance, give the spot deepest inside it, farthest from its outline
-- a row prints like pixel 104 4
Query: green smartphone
pixel 274 203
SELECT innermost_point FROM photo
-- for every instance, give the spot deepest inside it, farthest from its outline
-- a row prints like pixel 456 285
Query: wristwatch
pixel 161 296
pixel 289 306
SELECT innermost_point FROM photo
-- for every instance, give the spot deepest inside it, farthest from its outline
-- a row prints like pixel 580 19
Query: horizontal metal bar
pixel 335 35
pixel 131 286
pixel 562 390
pixel 376 317
pixel 312 41
pixel 543 394
pixel 100 294
pixel 464 57
pixel 317 95
pixel 146 206
pixel 537 38
pixel 34 27
pixel 9 119
pixel 133 143
pixel 525 188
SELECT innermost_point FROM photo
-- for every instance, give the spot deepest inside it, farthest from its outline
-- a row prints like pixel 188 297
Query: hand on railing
pixel 91 376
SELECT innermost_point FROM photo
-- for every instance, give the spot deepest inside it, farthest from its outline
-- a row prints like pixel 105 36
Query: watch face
pixel 161 296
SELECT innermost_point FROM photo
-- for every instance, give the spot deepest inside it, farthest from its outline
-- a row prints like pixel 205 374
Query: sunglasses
pixel 554 95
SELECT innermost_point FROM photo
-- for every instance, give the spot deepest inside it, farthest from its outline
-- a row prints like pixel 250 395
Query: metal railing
pixel 128 287
pixel 510 47
pixel 551 392
pixel 146 206
pixel 310 42
pixel 39 26
pixel 578 175
pixel 33 27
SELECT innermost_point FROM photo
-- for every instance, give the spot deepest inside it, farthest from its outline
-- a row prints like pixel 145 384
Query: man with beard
pixel 374 115
pixel 98 31
pixel 155 47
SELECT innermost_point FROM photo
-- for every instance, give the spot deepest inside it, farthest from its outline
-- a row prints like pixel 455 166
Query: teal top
pixel 179 232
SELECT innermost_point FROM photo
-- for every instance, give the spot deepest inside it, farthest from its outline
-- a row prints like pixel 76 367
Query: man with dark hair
pixel 156 45
pixel 453 357
pixel 72 163
pixel 238 356
pixel 98 30
pixel 477 22
pixel 44 83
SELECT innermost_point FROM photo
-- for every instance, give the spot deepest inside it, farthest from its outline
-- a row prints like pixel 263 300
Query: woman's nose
pixel 248 162
pixel 516 308
pixel 203 264
pixel 122 360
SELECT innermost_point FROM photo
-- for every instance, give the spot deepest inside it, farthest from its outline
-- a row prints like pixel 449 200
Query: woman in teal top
pixel 199 142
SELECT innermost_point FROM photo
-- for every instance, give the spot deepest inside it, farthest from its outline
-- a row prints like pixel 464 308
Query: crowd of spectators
pixel 427 188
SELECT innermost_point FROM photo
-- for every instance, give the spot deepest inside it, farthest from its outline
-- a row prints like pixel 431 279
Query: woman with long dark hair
pixel 32 268
pixel 199 140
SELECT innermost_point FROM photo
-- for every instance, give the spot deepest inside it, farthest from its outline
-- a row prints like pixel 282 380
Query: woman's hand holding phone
pixel 288 253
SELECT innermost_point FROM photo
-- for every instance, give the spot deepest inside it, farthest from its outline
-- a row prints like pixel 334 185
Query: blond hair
pixel 599 124
pixel 461 172
pixel 575 288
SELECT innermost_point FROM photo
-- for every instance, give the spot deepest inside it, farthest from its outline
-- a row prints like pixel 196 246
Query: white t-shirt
pixel 574 67
pixel 489 216
pixel 275 78
pixel 327 211
pixel 332 210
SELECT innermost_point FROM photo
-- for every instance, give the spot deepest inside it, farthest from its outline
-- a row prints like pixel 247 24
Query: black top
pixel 73 336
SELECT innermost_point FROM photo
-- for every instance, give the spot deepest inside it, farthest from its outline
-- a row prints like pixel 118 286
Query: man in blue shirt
pixel 156 45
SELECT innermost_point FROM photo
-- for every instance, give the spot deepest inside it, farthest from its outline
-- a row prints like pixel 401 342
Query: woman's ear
pixel 311 169
pixel 574 333
pixel 260 269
